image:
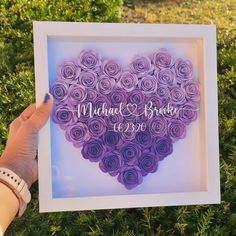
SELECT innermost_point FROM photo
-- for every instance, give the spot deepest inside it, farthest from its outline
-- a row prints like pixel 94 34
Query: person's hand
pixel 21 148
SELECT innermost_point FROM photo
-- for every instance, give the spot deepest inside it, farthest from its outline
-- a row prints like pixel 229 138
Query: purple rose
pixel 77 134
pixel 111 68
pixel 158 126
pixel 136 97
pixel 162 59
pixel 188 113
pixel 162 147
pixel 129 113
pixel 59 91
pixel 101 101
pixel 91 95
pixel 77 94
pixel 192 89
pixel 176 130
pixel 128 80
pixel 147 162
pixel 117 97
pixel 163 92
pixel 127 135
pixel 130 176
pixel 111 162
pixel 144 139
pixel 177 95
pixel 88 79
pixel 183 70
pixel 93 150
pixel 112 139
pixel 148 84
pixel 113 119
pixel 68 72
pixel 165 77
pixel 97 126
pixel 105 84
pixel 130 152
pixel 141 65
pixel 153 100
pixel 89 60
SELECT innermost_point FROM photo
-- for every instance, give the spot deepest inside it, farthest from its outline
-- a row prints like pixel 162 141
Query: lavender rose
pixel 93 150
pixel 153 101
pixel 113 119
pixel 165 77
pixel 117 97
pixel 97 126
pixel 88 79
pixel 127 135
pixel 147 162
pixel 69 72
pixel 183 70
pixel 188 113
pixel 163 92
pixel 144 139
pixel 105 84
pixel 128 80
pixel 176 130
pixel 162 147
pixel 136 97
pixel 130 176
pixel 192 89
pixel 162 59
pixel 111 68
pixel 177 95
pixel 111 162
pixel 112 139
pixel 102 101
pixel 77 94
pixel 91 95
pixel 148 84
pixel 77 134
pixel 130 152
pixel 141 65
pixel 59 91
pixel 89 60
pixel 158 126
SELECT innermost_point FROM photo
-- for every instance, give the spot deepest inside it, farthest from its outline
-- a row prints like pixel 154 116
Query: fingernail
pixel 46 98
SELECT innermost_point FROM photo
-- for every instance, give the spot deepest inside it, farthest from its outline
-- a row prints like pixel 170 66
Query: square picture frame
pixel 190 175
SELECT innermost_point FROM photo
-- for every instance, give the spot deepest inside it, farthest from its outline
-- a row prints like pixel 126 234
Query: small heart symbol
pixel 132 109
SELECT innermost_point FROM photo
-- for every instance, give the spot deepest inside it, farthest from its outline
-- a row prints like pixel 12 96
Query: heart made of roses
pixel 125 119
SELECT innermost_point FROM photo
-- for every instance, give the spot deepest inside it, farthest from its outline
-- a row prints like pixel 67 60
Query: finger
pixel 40 116
pixel 28 112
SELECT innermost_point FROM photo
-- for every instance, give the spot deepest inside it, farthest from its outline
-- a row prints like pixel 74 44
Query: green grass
pixel 17 90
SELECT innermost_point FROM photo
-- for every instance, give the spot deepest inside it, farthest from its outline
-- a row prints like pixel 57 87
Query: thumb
pixel 39 118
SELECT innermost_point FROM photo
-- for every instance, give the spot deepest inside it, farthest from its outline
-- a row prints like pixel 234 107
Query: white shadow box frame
pixel 190 175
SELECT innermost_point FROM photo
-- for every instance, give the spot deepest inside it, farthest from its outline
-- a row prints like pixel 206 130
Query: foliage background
pixel 17 91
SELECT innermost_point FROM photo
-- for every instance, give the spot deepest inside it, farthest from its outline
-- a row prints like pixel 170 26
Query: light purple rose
pixel 59 92
pixel 88 79
pixel 148 84
pixel 130 152
pixel 105 84
pixel 91 95
pixel 176 130
pixel 162 147
pixel 136 97
pixel 112 120
pixel 192 89
pixel 117 97
pixel 77 134
pixel 183 70
pixel 97 126
pixel 111 68
pixel 130 176
pixel 177 95
pixel 141 66
pixel 162 59
pixel 188 112
pixel 102 101
pixel 158 126
pixel 163 92
pixel 165 77
pixel 77 94
pixel 153 100
pixel 68 72
pixel 89 60
pixel 147 162
pixel 111 163
pixel 128 80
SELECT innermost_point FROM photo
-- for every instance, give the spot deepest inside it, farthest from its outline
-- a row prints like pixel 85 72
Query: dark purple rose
pixel 165 77
pixel 64 116
pixel 89 60
pixel 130 176
pixel 188 113
pixel 192 89
pixel 163 92
pixel 77 134
pixel 77 94
pixel 97 126
pixel 112 139
pixel 162 59
pixel 158 126
pixel 177 95
pixel 128 80
pixel 112 120
pixel 141 65
pixel 162 147
pixel 147 162
pixel 91 95
pixel 59 91
pixel 117 97
pixel 183 70
pixel 105 84
pixel 130 152
pixel 176 130
pixel 136 97
pixel 148 84
pixel 88 79
pixel 111 163
pixel 144 139
pixel 111 68
pixel 68 72
pixel 93 150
